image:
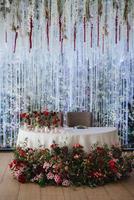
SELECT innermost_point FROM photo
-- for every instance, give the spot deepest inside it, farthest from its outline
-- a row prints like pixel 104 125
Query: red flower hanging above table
pixel 15 29
pixel 30 33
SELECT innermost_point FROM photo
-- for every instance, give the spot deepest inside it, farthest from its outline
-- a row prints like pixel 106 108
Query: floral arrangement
pixel 64 166
pixel 40 119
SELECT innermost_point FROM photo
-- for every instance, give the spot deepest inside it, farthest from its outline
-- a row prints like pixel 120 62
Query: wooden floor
pixel 10 189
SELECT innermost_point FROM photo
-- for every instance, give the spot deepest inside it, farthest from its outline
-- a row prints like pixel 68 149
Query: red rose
pixel 76 156
pixel 22 178
pixel 46 113
pixel 23 115
pixel 13 164
pixel 22 153
pixel 100 150
pixel 27 116
pixel 77 146
pixel 112 165
pixel 54 146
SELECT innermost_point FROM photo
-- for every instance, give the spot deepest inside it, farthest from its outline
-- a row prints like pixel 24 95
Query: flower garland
pixel 64 166
pixel 47 16
pixel 60 6
pixel 30 21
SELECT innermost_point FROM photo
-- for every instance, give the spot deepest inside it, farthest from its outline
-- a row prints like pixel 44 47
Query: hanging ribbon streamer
pixel 62 46
pixel 60 25
pixel 119 32
pixel 15 41
pixel 103 43
pixel 98 31
pixel 74 36
pixel 47 32
pixel 84 26
pixel 116 26
pixel 5 36
pixel 128 31
pixel 31 33
pixel 91 36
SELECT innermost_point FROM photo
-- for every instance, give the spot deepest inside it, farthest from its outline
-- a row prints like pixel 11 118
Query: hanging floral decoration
pixel 127 9
pixel 5 8
pixel 15 29
pixel 60 7
pixel 30 21
pixel 48 20
pixel 87 10
pixel 100 11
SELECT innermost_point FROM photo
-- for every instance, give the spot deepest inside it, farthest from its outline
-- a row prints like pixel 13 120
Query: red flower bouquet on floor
pixel 64 166
pixel 40 119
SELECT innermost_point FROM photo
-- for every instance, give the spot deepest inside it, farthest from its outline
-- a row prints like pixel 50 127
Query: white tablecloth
pixel 69 137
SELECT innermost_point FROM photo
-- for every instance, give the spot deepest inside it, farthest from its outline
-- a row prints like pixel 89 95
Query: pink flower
pixel 97 174
pixel 50 176
pixel 76 156
pixel 30 151
pixel 77 146
pixel 57 179
pixel 119 175
pixel 46 166
pixel 17 173
pixel 66 183
pixel 37 178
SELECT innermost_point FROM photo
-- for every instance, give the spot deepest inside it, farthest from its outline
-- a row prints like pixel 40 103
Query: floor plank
pixel 4 164
pixel 29 192
pixel 75 193
pixel 98 193
pixel 51 192
pixel 128 184
pixel 10 189
pixel 117 192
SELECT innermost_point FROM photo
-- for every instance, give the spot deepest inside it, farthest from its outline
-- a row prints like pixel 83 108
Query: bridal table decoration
pixel 63 166
pixel 38 120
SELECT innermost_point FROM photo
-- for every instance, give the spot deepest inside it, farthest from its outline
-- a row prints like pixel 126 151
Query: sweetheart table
pixel 68 136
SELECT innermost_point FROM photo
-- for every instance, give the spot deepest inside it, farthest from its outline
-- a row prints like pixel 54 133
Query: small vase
pixel 36 129
pixel 55 130
pixel 25 126
pixel 46 129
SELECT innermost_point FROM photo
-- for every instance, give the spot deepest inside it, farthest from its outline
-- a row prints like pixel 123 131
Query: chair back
pixel 79 118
